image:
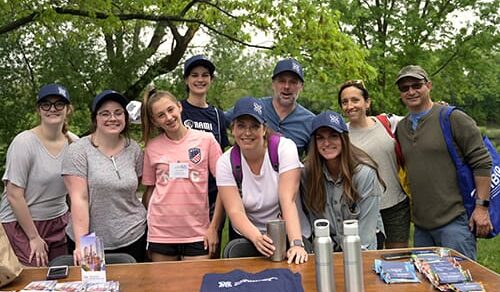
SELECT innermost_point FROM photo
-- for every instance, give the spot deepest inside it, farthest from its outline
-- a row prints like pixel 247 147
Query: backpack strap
pixel 387 125
pixel 444 121
pixel 272 148
pixel 235 158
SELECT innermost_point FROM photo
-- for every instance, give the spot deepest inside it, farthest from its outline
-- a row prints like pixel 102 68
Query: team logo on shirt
pixel 194 155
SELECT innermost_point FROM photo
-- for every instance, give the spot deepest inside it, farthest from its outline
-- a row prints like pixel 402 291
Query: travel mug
pixel 276 230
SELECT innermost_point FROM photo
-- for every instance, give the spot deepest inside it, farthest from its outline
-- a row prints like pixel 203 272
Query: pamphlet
pixel 92 259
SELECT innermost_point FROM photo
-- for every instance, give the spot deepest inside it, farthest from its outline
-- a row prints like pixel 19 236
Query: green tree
pixel 399 33
pixel 92 45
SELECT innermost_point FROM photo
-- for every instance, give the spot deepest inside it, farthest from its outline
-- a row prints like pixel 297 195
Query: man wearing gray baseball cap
pixel 438 212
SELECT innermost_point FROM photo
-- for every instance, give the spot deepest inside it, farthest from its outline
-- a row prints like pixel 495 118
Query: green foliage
pixel 459 61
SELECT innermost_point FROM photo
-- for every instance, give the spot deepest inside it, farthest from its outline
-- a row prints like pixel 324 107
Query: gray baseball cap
pixel 413 71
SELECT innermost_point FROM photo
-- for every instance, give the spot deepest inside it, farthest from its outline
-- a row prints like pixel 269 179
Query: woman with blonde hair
pixel 177 164
pixel 33 209
pixel 266 193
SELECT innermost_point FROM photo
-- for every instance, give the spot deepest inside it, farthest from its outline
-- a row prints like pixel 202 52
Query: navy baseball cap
pixel 53 89
pixel 108 95
pixel 413 71
pixel 289 65
pixel 249 106
pixel 331 120
pixel 198 60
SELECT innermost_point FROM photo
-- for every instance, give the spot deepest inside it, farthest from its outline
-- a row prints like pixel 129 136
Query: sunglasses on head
pixel 356 82
pixel 414 86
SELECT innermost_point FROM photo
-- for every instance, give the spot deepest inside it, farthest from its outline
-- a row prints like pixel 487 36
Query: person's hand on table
pixel 298 253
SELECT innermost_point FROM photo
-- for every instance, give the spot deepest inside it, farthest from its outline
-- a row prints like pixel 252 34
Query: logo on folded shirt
pixel 194 155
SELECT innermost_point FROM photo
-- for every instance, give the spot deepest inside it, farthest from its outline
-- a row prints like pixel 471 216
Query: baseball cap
pixel 289 65
pixel 108 95
pixel 198 60
pixel 249 106
pixel 53 89
pixel 414 71
pixel 331 120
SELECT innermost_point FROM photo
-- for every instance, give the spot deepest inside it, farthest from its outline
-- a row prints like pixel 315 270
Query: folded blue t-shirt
pixel 272 280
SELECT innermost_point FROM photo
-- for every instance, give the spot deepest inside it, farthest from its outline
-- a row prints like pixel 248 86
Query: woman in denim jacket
pixel 341 181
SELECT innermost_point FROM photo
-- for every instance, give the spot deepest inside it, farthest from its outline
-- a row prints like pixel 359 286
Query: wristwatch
pixel 297 242
pixel 484 203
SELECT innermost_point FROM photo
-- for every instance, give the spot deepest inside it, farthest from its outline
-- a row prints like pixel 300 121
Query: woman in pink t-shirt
pixel 177 163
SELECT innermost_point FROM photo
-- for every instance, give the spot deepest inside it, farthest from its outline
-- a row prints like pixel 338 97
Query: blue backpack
pixel 466 178
pixel 273 142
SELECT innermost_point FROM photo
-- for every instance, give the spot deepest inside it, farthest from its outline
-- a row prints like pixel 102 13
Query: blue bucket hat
pixel 108 95
pixel 289 65
pixel 249 106
pixel 198 60
pixel 53 89
pixel 331 120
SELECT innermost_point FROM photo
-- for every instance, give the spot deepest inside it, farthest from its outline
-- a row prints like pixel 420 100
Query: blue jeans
pixel 455 235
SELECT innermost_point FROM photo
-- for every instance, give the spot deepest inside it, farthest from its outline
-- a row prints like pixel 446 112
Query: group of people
pixel 286 163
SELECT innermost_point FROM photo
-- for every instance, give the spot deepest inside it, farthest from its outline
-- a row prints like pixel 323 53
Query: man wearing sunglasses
pixel 438 213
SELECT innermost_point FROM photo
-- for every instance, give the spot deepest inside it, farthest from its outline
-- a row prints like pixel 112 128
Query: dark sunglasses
pixel 414 86
pixel 46 105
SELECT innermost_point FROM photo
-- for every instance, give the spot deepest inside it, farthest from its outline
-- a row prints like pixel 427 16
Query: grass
pixel 488 253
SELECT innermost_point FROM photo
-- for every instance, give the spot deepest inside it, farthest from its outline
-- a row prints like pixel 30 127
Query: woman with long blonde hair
pixel 177 164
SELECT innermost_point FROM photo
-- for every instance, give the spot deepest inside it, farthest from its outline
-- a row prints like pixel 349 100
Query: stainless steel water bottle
pixel 323 250
pixel 276 230
pixel 353 262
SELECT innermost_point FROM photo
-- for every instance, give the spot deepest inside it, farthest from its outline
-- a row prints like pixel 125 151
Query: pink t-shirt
pixel 178 208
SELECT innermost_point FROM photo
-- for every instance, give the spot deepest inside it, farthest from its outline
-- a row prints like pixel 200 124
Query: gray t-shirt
pixel 116 214
pixel 379 145
pixel 29 165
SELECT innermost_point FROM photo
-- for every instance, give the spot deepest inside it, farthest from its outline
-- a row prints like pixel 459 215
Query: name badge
pixel 179 170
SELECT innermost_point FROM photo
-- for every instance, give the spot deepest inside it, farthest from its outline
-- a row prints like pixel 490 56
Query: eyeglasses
pixel 106 115
pixel 414 86
pixel 46 105
pixel 354 82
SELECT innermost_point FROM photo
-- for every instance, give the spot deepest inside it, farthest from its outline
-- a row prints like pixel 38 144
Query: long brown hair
pixel 350 158
pixel 151 95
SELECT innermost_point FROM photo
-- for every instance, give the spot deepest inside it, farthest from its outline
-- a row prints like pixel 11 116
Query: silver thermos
pixel 323 250
pixel 353 263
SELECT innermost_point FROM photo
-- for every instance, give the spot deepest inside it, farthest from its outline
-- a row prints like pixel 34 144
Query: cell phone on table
pixel 57 272
pixel 396 256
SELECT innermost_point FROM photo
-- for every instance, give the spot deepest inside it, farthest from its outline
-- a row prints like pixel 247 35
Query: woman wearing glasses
pixel 368 133
pixel 341 181
pixel 102 172
pixel 33 207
